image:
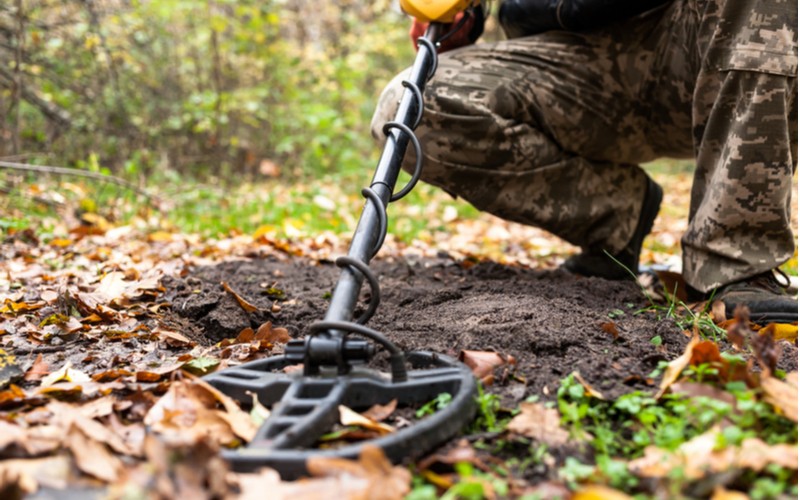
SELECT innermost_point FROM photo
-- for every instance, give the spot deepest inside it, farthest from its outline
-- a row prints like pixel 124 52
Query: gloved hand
pixel 467 34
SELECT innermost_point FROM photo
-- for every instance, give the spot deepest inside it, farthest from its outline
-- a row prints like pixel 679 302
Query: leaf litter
pixel 105 365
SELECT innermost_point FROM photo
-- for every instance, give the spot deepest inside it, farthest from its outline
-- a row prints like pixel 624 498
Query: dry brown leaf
pixel 699 457
pixel 29 442
pixel 350 417
pixel 720 493
pixel 591 391
pixel 187 413
pixel 599 492
pixel 482 363
pixel 755 454
pixel 92 457
pixel 272 335
pixel 706 352
pixel 693 389
pixel 718 311
pixel 462 452
pixel 247 306
pixel 372 473
pixel 676 366
pixel 28 475
pixel 379 413
pixel 610 328
pixel 173 339
pixel 782 395
pixel 538 422
pixel 766 351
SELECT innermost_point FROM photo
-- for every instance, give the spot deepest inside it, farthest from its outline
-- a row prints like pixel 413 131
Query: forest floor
pixel 589 388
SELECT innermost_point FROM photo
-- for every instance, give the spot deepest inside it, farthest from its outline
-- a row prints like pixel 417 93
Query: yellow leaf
pixel 781 331
pixel 721 493
pixel 350 417
pixel 61 242
pixel 591 391
pixel 676 366
pixel 782 395
pixel 66 373
pixel 159 237
pixel 599 492
pixel 247 306
pixel 263 231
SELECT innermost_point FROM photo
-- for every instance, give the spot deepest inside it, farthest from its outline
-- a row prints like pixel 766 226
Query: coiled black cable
pixel 397 359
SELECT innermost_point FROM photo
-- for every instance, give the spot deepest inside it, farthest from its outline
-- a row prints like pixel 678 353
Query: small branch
pixel 79 173
pixel 53 112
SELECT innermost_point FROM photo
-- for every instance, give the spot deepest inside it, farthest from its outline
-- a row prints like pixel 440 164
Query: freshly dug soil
pixel 551 322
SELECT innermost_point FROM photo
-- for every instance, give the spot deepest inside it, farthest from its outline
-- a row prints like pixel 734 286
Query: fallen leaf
pixel 699 456
pixel 780 331
pixel 173 339
pixel 247 306
pixel 379 413
pixel 737 329
pixel 463 452
pixel 66 373
pixel 693 390
pixel 201 365
pixel 610 328
pixel 718 311
pixel 591 391
pixel 706 352
pixel 12 307
pixel 720 493
pixel 482 363
pixel 92 457
pixel 599 492
pixel 272 335
pixel 782 395
pixel 258 413
pixel 371 473
pixel 539 422
pixel 350 417
pixel 188 412
pixel 9 369
pixel 37 371
pixel 28 475
pixel 766 351
pixel 676 367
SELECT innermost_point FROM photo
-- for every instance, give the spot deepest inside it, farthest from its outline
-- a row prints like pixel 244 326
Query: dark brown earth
pixel 550 321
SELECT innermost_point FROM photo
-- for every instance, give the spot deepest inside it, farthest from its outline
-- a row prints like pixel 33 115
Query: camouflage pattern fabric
pixel 549 130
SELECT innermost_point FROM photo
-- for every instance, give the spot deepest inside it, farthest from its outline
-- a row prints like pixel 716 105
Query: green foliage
pixel 488 418
pixel 624 427
pixel 434 405
pixel 203 86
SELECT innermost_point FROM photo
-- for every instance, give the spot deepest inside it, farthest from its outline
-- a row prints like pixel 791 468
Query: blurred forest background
pixel 223 88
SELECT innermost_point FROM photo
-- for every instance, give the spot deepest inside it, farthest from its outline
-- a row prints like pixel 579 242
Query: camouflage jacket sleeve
pixel 529 17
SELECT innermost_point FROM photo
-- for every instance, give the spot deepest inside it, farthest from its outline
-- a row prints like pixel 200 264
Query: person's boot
pixel 765 297
pixel 602 265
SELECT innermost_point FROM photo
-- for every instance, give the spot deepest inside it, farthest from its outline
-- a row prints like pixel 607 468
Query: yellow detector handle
pixel 440 11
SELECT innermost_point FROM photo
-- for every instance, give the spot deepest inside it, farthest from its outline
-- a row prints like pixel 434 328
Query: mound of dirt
pixel 552 322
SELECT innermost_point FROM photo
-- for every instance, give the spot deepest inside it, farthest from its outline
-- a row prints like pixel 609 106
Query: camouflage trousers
pixel 549 130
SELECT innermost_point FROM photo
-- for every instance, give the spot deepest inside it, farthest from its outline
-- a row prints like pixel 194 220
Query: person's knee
pixel 386 109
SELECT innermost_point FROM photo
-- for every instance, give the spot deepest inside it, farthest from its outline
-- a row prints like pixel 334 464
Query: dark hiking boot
pixel 765 297
pixel 602 265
